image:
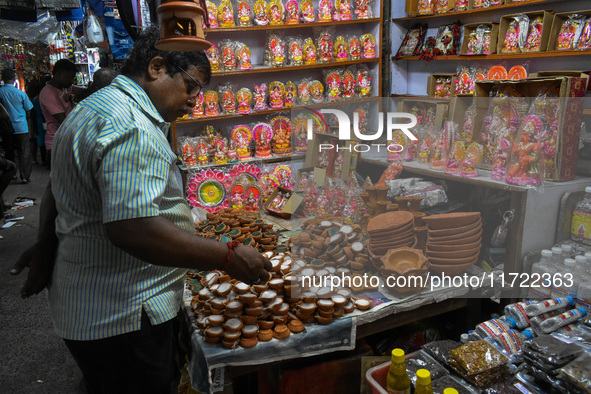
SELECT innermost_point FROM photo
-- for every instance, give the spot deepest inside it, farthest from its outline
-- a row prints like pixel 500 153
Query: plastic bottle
pixel 540 285
pixel 548 305
pixel 568 284
pixel 581 269
pixel 554 323
pixel 423 385
pixel 567 251
pixel 536 321
pixel 517 312
pixel 584 295
pixel 495 327
pixel 398 381
pixel 450 390
pixel 528 333
pixel 474 336
pixel 580 229
pixel 557 258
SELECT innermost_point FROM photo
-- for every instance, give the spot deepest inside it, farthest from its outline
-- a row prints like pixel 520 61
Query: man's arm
pixel 158 241
pixel 60 117
pixel 40 258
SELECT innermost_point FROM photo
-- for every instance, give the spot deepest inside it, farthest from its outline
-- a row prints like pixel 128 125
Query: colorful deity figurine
pixel 363 83
pixel 369 46
pixel 232 154
pixel 534 38
pixel 325 47
pixel 340 49
pixel 343 10
pixel 244 98
pixel 474 153
pixel 244 58
pixel 228 56
pixel 244 17
pixel 325 11
pixel 511 43
pixel 226 14
pixel 456 158
pixel 263 134
pixel 354 48
pixel 212 13
pixel 348 82
pixel 296 52
pixel 260 97
pixel 228 100
pixel 317 92
pixel 219 156
pixel 275 9
pixel 213 54
pixel 202 156
pixel 363 10
pixel 333 82
pixel 210 98
pixel 292 16
pixel 309 52
pixel 304 92
pixel 261 17
pixel 198 111
pixel 307 8
pixel 290 94
pixel 276 94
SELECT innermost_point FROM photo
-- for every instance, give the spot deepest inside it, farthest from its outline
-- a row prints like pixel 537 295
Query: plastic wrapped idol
pixel 262 134
pixel 325 11
pixel 585 39
pixel 348 84
pixel 212 13
pixel 241 136
pixel 340 49
pixel 213 55
pixel 188 152
pixel 526 166
pixel 244 98
pixel 281 142
pixel 333 85
pixel 304 94
pixel 226 14
pixel 292 12
pixel 198 111
pixel 317 92
pixel 228 99
pixel 354 48
pixel 260 97
pixel 455 158
pixel 244 14
pixel 290 94
pixel 276 94
pixel 228 55
pixel 261 17
pixel 310 55
pixel 296 51
pixel 275 51
pixel 570 32
pixel 325 47
pixel 534 38
pixel 307 10
pixel 426 7
pixel 471 160
pixel 243 55
pixel 363 82
pixel 276 12
pixel 364 9
pixel 368 44
pixel 210 100
pixel 342 10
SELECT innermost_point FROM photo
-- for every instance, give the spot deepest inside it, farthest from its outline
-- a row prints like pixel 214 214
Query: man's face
pixel 65 79
pixel 176 96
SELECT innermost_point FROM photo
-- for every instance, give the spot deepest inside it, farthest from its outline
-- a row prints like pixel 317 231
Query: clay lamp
pixel 211 279
pixel 322 320
pixel 254 311
pixel 290 280
pixel 259 288
pixel 202 321
pixel 265 335
pixel 250 331
pixel 343 271
pixel 231 336
pixel 281 331
pixel 325 304
pixel 215 311
pixel 256 303
pixel 324 292
pixel 279 319
pixel 246 319
pixel 308 297
pixel 266 324
pixel 257 235
pixel 295 326
pixel 339 301
pixel 404 260
pixel 275 264
pixel 218 302
pixel 338 313
pixel 213 332
pixel 282 310
pixel 215 320
pixel 232 315
pixel 204 294
pixel 268 247
pixel 247 298
pixel 244 220
pixel 276 284
pixel 233 325
pixel 268 255
pixel 363 304
pixel 234 306
pixel 241 288
pixel 285 268
pixel 223 289
pixel 356 266
pixel 268 296
pixel 249 342
pixel 307 308
pixel 274 305
pixel 292 291
pixel 327 313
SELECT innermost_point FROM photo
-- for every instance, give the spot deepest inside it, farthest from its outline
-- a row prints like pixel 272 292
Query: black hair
pixel 8 75
pixel 34 88
pixel 102 77
pixel 143 51
pixel 64 65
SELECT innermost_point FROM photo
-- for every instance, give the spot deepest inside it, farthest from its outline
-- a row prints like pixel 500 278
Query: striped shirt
pixel 112 162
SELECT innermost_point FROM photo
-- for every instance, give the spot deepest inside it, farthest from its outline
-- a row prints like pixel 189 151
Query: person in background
pixel 37 131
pixel 114 225
pixel 100 79
pixel 57 100
pixel 18 105
pixel 7 172
pixel 6 134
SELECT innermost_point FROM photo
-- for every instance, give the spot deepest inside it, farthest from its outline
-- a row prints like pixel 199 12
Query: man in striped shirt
pixel 122 226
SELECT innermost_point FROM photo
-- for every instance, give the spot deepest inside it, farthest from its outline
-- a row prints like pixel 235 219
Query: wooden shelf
pixel 293 68
pixel 426 98
pixel 277 110
pixel 505 56
pixel 274 159
pixel 587 111
pixel 476 11
pixel 282 27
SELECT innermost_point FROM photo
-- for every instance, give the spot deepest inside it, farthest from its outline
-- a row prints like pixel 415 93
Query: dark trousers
pixel 136 362
pixel 7 171
pixel 23 150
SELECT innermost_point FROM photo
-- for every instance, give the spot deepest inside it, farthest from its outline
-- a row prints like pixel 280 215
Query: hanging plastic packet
pixel 93 30
pixel 585 38
pixel 533 42
pixel 569 32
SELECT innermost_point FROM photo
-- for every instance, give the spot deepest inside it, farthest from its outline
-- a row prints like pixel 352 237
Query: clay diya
pixel 451 220
pixel 389 221
pixel 401 261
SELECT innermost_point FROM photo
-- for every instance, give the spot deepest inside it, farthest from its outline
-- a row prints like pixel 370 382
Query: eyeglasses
pixel 197 88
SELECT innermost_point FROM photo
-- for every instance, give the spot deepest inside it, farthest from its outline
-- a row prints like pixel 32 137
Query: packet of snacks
pixel 324 45
pixel 291 94
pixel 295 50
pixel 227 99
pixel 244 13
pixel 275 51
pixel 228 55
pixel 243 57
pixel 332 79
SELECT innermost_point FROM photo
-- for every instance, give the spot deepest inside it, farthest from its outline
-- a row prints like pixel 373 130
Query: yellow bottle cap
pixel 449 390
pixel 397 356
pixel 423 377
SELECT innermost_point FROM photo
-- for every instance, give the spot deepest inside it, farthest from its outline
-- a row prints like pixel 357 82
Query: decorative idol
pixel 296 52
pixel 354 48
pixel 290 94
pixel 292 16
pixel 198 111
pixel 228 100
pixel 210 99
pixel 244 17
pixel 261 17
pixel 219 156
pixel 276 94
pixel 340 49
pixel 363 83
pixel 244 98
pixel 317 92
pixel 363 10
pixel 212 14
pixel 348 84
pixel 309 52
pixel 325 11
pixel 262 133
pixel 242 135
pixel 275 12
pixel 307 8
pixel 333 83
pixel 368 44
pixel 213 54
pixel 344 10
pixel 228 56
pixel 244 58
pixel 304 92
pixel 260 97
pixel 226 14
pixel 325 47
pixel 281 142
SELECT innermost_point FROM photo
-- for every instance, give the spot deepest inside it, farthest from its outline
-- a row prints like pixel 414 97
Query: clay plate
pixel 396 235
pixel 404 260
pixel 443 247
pixel 451 220
pixel 389 220
pixel 384 249
pixel 457 254
pixel 386 233
pixel 453 231
pixel 457 261
pixel 376 256
pixel 464 236
pixel 451 270
pixel 392 241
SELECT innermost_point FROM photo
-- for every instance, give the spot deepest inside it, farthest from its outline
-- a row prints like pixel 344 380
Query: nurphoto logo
pixel 345 130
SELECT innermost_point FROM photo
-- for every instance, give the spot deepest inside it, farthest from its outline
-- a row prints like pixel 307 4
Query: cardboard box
pixel 471 27
pixel 572 91
pixel 557 24
pixel 546 28
pixel 438 105
pixel 432 83
pixel 567 73
pixel 289 208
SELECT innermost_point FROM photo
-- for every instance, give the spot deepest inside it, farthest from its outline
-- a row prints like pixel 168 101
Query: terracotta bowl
pixel 458 241
pixel 403 260
pixel 393 236
pixel 394 230
pixel 451 269
pixel 457 254
pixel 389 220
pixel 393 241
pixel 454 261
pixel 451 220
pixel 382 251
pixel 435 248
pixel 458 230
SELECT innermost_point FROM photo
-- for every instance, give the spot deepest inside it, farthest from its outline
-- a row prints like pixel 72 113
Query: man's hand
pixel 40 262
pixel 248 265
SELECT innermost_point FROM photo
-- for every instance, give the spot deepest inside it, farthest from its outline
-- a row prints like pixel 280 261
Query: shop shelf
pixel 283 27
pixel 502 56
pixel 263 69
pixel 270 160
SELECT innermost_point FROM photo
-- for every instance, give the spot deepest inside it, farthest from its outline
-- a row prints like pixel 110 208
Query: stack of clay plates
pixel 453 241
pixel 390 230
